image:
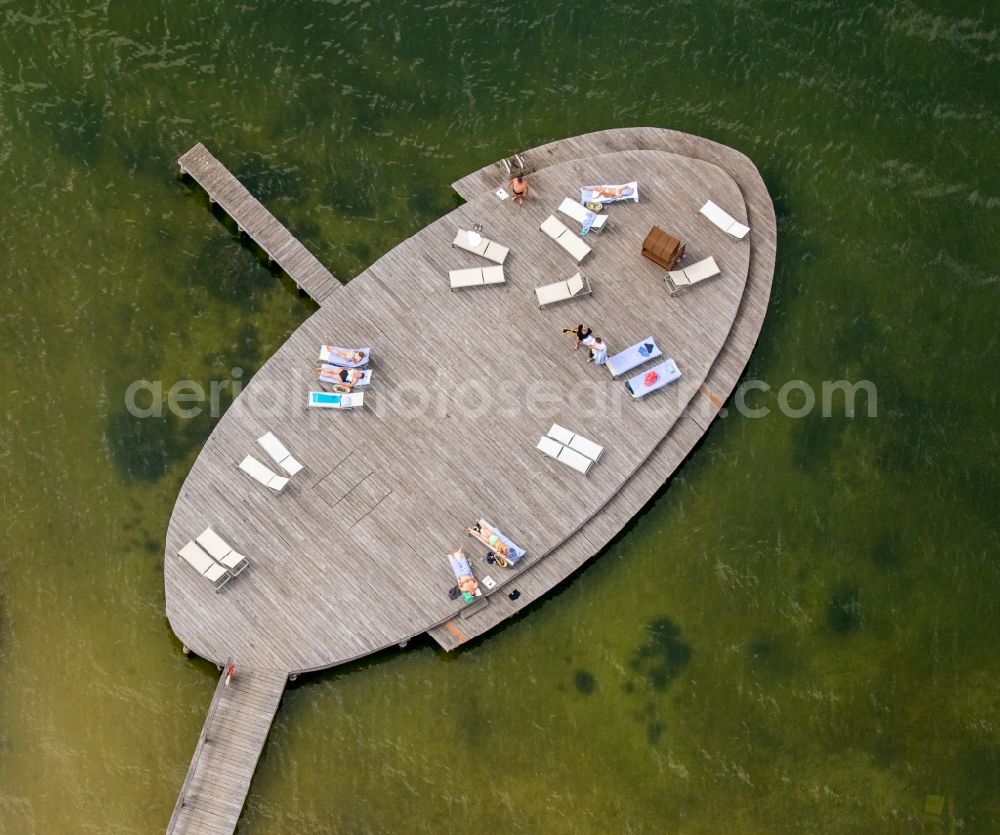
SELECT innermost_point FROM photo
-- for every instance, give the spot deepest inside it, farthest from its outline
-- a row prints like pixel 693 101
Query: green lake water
pixel 797 636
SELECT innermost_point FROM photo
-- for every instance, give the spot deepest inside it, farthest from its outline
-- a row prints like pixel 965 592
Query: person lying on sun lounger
pixel 348 376
pixel 467 584
pixel 484 532
pixel 601 193
pixel 353 357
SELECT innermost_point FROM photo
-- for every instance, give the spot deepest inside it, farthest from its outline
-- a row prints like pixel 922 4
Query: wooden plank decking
pixel 226 755
pixel 722 378
pixel 251 217
pixel 349 559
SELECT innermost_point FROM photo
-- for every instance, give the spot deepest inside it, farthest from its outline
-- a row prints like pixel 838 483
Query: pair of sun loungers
pixel 213 558
pixel 570 449
pixel 478 276
pixel 334 357
pixel 280 455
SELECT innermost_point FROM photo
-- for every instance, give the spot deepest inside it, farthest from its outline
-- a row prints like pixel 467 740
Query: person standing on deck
pixel 518 187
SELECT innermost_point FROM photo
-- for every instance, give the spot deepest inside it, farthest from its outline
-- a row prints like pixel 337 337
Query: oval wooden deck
pixel 350 558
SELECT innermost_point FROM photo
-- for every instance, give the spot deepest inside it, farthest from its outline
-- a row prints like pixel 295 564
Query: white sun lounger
pixel 221 551
pixel 725 221
pixel 561 291
pixel 330 376
pixel 570 241
pixel 262 473
pixel 328 400
pixel 579 212
pixel 678 280
pixel 331 358
pixel 475 277
pixel 576 442
pixel 490 250
pixel 279 454
pixel 217 575
pixel 666 372
pixel 632 357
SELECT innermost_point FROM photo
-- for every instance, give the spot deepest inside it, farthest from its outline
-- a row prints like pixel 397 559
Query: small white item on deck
pixel 279 453
pixel 561 291
pixel 489 582
pixel 331 376
pixel 725 221
pixel 335 355
pixel 217 575
pixel 501 193
pixel 557 230
pixel 571 449
pixel 327 400
pixel 633 357
pixel 262 473
pixel 221 551
pixel 475 277
pixel 678 280
pixel 581 214
pixel 478 245
pixel 655 378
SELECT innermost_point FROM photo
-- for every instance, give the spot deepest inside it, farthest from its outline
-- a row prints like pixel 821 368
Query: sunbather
pixel 484 532
pixel 350 356
pixel 467 583
pixel 611 192
pixel 348 376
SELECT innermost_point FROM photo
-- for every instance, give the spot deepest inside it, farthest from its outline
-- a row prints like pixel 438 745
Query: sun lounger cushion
pixel 572 243
pixel 327 355
pixel 725 221
pixel 279 454
pixel 475 277
pixel 262 473
pixel 633 357
pixel 666 372
pixel 572 458
pixel 581 214
pixel 326 400
pixel 680 279
pixel 220 550
pixel 490 250
pixel 550 447
pixel 201 562
pixel 560 291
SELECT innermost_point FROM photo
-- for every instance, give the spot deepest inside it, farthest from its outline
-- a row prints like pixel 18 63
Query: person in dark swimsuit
pixel 348 376
pixel 519 188
pixel 584 335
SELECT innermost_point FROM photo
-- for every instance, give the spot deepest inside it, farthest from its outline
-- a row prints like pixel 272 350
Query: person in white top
pixel 598 351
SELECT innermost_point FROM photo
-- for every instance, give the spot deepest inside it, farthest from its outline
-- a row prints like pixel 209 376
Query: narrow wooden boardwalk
pixel 226 755
pixel 251 217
